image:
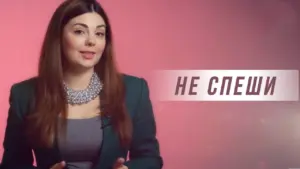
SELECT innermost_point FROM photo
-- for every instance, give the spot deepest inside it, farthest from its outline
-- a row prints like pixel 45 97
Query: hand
pixel 60 165
pixel 119 164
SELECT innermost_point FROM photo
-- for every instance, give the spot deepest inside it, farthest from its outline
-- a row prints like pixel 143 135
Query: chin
pixel 86 65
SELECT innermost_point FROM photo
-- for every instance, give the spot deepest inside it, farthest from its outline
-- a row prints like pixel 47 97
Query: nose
pixel 90 41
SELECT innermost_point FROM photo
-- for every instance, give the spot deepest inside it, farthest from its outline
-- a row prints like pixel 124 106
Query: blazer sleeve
pixel 17 153
pixel 144 152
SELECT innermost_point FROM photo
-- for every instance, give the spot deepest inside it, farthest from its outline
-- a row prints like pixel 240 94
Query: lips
pixel 87 54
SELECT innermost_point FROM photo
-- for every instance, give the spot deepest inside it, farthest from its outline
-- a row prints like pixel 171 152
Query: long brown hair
pixel 50 99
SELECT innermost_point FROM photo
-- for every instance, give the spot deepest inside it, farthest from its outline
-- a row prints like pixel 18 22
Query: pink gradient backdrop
pixel 190 34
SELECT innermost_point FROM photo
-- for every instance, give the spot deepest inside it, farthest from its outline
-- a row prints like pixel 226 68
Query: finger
pixel 122 167
pixel 119 163
pixel 60 165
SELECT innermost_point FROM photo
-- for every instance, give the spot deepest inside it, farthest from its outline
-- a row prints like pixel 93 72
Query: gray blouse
pixel 82 143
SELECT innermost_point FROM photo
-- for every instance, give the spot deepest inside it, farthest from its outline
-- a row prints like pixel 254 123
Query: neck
pixel 78 80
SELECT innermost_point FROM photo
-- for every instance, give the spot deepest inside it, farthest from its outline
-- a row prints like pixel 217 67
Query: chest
pixel 84 111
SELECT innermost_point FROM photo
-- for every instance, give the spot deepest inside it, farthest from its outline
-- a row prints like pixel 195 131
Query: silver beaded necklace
pixel 77 97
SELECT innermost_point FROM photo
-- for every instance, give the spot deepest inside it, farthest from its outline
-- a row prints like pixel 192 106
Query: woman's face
pixel 84 40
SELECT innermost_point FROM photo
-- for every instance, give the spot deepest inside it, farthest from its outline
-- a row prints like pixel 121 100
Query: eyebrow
pixel 84 25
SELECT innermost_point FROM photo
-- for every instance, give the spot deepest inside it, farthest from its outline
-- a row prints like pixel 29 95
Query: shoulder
pixel 135 85
pixel 136 93
pixel 21 95
pixel 24 87
pixel 130 80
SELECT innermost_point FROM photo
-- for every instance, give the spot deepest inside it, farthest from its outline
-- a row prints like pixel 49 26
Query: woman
pixel 80 112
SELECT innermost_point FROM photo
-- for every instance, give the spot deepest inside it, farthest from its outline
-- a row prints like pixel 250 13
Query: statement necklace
pixel 77 97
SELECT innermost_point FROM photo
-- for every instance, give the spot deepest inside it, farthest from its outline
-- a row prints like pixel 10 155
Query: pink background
pixel 189 34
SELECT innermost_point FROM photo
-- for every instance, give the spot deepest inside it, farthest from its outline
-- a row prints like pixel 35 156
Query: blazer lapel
pixel 111 149
pixel 108 143
pixel 48 156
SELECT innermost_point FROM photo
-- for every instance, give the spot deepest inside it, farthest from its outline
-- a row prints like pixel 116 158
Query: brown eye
pixel 78 32
pixel 100 34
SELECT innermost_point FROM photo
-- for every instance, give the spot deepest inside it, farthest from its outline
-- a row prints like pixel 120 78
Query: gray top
pixel 82 143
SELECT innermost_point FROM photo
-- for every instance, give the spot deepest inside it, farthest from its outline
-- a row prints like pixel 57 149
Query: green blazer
pixel 144 150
